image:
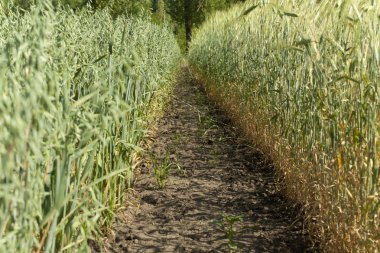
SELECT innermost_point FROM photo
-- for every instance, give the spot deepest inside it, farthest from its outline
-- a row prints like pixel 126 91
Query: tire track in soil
pixel 223 175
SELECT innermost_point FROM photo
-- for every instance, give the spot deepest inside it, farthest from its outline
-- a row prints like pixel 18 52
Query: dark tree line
pixel 183 14
pixel 190 13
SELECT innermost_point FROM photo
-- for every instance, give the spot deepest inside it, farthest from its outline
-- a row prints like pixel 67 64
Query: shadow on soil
pixel 219 175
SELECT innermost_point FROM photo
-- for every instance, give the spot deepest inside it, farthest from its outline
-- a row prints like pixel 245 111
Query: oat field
pixel 76 91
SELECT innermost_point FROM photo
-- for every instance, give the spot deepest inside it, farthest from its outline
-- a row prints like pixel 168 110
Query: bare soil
pixel 220 176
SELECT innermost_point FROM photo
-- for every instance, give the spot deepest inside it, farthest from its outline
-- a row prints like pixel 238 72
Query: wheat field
pixel 302 79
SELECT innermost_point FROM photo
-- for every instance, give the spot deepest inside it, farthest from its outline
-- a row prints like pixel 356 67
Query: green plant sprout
pixel 227 225
pixel 161 170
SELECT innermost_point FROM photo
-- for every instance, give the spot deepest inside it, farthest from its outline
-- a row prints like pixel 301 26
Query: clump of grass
pixel 75 90
pixel 301 78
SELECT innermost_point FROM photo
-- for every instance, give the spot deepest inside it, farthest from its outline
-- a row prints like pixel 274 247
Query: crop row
pixel 302 78
pixel 75 94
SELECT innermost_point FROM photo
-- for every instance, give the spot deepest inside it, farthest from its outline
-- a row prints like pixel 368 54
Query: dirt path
pixel 220 174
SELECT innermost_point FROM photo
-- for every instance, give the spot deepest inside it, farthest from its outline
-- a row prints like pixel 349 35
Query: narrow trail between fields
pixel 220 178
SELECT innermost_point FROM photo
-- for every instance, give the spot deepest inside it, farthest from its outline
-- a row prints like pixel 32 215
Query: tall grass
pixel 302 79
pixel 75 91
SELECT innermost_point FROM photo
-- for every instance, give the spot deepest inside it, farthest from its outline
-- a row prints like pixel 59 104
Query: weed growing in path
pixel 162 169
pixel 228 225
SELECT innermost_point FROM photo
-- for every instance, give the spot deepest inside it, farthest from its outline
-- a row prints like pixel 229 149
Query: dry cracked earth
pixel 221 195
